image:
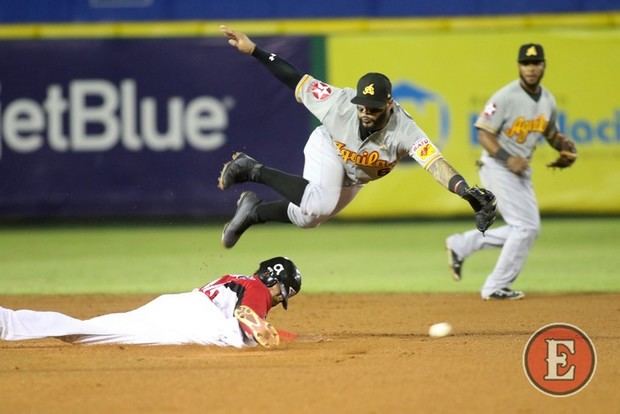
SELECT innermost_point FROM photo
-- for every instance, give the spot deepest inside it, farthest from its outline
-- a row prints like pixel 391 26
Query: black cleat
pixel 244 217
pixel 505 294
pixel 240 169
pixel 455 263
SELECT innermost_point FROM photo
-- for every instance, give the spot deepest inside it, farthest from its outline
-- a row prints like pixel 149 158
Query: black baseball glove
pixel 484 204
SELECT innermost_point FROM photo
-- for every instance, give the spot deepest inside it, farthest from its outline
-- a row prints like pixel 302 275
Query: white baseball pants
pixel 516 202
pixel 326 194
pixel 173 319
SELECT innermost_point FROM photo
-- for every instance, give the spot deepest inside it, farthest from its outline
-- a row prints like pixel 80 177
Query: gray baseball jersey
pixel 518 120
pixel 371 158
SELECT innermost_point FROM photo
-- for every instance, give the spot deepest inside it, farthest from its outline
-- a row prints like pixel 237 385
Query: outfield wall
pixel 138 127
pixel 136 119
pixel 19 11
pixel 444 80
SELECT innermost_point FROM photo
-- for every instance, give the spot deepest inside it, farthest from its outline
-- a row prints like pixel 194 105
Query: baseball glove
pixel 568 155
pixel 484 204
pixel 253 325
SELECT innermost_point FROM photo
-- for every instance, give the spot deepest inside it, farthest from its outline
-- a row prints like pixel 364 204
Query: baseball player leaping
pixel 363 135
pixel 229 311
pixel 512 123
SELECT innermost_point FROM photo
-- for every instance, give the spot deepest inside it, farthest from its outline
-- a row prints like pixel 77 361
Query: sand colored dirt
pixel 355 354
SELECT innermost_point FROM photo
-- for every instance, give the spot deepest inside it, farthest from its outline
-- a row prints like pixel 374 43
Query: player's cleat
pixel 455 263
pixel 240 169
pixel 262 331
pixel 244 217
pixel 505 294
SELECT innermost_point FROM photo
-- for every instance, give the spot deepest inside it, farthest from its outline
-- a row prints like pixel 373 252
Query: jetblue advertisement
pixel 139 127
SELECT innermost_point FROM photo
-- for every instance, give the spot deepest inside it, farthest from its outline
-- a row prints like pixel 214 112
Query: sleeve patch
pixel 490 109
pixel 423 151
pixel 320 90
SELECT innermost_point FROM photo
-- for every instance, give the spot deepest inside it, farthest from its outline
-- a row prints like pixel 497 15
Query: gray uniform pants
pixel 518 207
pixel 326 193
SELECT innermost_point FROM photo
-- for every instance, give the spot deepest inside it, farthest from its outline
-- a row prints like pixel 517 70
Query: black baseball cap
pixel 531 52
pixel 374 90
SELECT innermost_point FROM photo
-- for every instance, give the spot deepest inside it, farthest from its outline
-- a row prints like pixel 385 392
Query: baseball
pixel 439 330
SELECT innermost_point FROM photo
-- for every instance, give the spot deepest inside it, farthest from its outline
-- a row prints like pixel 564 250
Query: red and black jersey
pixel 230 291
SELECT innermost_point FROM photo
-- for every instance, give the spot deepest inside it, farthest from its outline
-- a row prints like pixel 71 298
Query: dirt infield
pixel 355 354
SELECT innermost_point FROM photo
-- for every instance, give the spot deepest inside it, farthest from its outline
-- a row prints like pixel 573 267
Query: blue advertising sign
pixel 139 127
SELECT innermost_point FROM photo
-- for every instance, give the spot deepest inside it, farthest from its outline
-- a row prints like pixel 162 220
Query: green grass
pixel 570 255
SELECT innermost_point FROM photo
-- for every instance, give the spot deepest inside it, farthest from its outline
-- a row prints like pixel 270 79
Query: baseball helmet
pixel 283 271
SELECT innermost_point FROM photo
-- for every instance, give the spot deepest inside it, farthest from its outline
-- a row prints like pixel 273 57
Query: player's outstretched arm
pixel 482 201
pixel 239 40
pixel 279 67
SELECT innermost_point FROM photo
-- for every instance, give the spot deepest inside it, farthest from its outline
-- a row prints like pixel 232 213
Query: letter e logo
pixel 559 359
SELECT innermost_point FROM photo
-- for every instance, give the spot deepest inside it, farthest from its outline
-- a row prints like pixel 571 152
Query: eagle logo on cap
pixel 369 90
pixel 531 51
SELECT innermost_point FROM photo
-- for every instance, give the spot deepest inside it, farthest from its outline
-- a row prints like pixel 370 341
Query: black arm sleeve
pixel 281 69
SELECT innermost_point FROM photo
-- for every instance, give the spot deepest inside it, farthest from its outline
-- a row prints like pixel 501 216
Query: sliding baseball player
pixel 230 311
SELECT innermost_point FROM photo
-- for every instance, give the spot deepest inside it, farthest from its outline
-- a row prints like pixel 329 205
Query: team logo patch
pixel 531 51
pixel 369 90
pixel 426 151
pixel 490 109
pixel 423 149
pixel 321 91
pixel 559 360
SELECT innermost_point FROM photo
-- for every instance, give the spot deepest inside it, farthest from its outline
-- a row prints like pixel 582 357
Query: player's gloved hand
pixel 568 155
pixel 256 327
pixel 239 40
pixel 484 204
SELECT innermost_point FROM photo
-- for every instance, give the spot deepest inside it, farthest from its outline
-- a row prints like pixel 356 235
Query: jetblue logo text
pixel 580 130
pixel 94 115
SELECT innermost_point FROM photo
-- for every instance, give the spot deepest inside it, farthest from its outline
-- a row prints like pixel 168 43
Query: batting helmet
pixel 283 271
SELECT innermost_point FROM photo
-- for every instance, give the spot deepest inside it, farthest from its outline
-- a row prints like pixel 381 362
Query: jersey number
pixel 211 292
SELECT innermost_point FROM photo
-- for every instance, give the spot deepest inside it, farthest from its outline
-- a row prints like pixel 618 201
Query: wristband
pixel 458 185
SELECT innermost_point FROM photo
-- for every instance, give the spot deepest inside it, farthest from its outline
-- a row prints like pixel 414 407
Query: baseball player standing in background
pixel 363 135
pixel 513 121
pixel 229 311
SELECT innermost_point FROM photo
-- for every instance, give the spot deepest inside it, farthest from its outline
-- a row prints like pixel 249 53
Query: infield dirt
pixel 354 354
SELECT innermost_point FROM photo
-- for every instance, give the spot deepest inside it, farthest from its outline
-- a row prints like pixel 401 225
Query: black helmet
pixel 283 271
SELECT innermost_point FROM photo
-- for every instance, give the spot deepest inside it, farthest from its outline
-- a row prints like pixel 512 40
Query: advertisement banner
pixel 127 127
pixel 444 80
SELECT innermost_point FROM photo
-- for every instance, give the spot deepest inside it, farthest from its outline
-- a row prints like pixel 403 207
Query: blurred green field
pixel 570 255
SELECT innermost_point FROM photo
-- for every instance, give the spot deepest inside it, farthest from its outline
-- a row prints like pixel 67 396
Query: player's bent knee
pixel 309 222
pixel 319 202
pixel 529 233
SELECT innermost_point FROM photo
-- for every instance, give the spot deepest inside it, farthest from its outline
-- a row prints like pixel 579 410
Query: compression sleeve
pixel 280 68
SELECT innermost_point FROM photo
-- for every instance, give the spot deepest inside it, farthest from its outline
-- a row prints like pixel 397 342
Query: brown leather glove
pixel 568 155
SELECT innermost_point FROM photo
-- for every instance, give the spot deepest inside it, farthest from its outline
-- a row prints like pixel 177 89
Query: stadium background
pixel 116 115
pixel 135 104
